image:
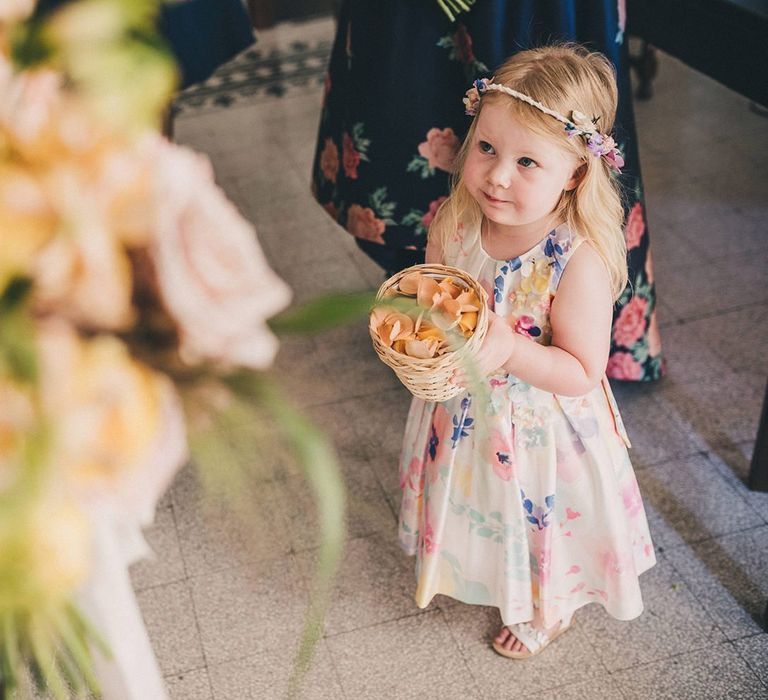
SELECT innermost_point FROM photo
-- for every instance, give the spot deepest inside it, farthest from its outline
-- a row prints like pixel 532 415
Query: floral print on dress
pixel 436 153
pixel 529 499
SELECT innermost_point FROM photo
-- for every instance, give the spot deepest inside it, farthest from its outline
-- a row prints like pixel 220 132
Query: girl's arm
pixel 581 326
pixel 434 252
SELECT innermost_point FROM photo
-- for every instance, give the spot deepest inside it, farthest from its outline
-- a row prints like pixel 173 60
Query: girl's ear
pixel 576 177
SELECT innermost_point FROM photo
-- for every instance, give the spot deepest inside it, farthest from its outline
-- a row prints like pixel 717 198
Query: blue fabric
pixel 392 78
pixel 203 34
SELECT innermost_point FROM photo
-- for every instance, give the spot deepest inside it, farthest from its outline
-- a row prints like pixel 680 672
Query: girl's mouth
pixel 493 200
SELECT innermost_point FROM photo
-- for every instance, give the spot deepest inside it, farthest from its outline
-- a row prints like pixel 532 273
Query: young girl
pixel 524 498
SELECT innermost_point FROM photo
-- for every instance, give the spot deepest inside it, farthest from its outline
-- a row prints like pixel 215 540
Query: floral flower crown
pixel 599 145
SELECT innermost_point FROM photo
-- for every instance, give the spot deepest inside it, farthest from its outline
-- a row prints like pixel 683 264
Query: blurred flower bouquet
pixel 133 302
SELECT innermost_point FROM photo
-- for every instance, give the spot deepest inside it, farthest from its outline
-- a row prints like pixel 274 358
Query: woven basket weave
pixel 428 378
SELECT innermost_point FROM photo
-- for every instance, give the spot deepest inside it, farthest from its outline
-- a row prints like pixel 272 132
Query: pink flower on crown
pixel 433 207
pixel 472 99
pixel 635 227
pixel 630 324
pixel 440 148
pixel 621 365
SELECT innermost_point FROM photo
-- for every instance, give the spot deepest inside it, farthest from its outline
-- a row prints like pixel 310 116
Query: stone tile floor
pixel 224 603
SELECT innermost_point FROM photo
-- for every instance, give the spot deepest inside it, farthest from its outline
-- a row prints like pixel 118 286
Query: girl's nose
pixel 500 175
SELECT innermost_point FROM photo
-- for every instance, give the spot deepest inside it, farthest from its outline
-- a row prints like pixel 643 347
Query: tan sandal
pixel 535 641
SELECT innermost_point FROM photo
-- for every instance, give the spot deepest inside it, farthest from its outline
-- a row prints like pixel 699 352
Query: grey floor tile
pixel 416 659
pixel 166 564
pixel 375 583
pixel 347 353
pixel 673 622
pixel 191 685
pixel 267 675
pixel 754 650
pixel 717 672
pixel 602 687
pixel 734 463
pixel 367 507
pixel 715 287
pixel 170 619
pixel 250 609
pixel 656 432
pixel 728 577
pixel 217 533
pixel 720 410
pixel 328 274
pixel 379 422
pixel 571 659
pixel 687 500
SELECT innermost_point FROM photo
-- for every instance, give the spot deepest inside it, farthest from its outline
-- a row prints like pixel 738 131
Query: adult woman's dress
pixel 203 34
pixel 392 119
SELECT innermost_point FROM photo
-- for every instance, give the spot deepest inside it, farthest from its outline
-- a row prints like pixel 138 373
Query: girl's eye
pixel 526 162
pixel 485 147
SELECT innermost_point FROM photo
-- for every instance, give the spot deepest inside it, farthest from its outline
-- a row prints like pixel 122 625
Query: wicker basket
pixel 428 378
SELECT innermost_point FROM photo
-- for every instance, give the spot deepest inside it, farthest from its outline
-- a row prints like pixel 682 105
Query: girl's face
pixel 516 175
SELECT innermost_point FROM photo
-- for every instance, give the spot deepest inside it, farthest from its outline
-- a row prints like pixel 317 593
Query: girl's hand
pixel 495 351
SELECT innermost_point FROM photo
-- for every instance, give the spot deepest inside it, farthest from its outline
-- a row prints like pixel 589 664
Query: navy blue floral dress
pixel 392 119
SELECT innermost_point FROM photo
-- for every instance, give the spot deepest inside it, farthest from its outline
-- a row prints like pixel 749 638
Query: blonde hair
pixel 565 78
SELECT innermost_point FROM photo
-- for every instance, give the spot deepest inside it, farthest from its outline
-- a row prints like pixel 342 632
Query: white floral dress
pixel 528 500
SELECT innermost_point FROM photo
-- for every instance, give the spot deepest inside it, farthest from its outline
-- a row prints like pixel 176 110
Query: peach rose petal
pixel 409 284
pixel 425 294
pixel 468 301
pixel 449 286
pixel 468 321
pixel 420 348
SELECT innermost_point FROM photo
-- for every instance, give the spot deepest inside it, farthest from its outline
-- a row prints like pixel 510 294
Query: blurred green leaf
pixel 323 313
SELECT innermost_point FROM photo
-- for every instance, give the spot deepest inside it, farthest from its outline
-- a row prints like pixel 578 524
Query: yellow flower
pixel 105 408
pixel 535 276
pixel 26 221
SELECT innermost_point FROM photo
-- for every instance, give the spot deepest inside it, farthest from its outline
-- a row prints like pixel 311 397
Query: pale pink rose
pixel 649 266
pixel 630 324
pixel 635 227
pixel 212 274
pixel 362 223
pixel 329 160
pixel 654 336
pixel 15 10
pixel 350 157
pixel 621 365
pixel 440 148
pixel 433 207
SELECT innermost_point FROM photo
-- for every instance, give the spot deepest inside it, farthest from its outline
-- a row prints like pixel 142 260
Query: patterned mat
pixel 286 58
